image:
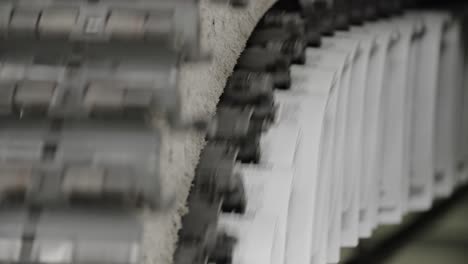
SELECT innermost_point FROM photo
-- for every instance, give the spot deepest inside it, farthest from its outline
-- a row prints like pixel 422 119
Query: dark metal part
pixel 199 240
pixel 248 88
pixel 326 17
pixel 262 60
pixel 343 15
pixel 357 12
pixel 280 40
pixel 217 180
pixel 249 149
pixel 370 10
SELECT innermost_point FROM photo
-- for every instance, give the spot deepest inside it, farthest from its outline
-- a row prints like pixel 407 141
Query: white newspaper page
pixel 255 237
pixel 351 160
pixel 415 54
pixel 460 101
pixel 268 193
pixel 393 103
pixel 348 48
pixel 338 61
pixel 307 99
pixel 280 144
pixel 421 192
pixel 372 129
pixel 446 113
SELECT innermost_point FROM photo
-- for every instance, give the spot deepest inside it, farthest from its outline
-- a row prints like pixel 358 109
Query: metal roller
pixel 262 60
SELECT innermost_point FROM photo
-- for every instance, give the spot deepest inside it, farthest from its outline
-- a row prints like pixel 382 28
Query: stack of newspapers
pixel 370 130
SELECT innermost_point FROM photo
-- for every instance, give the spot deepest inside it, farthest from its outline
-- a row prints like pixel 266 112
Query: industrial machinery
pixel 84 83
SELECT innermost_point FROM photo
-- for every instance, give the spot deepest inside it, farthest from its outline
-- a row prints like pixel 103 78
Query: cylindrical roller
pixel 244 87
pixel 126 24
pixel 200 224
pixel 15 184
pixel 83 181
pixel 98 88
pixel 292 22
pixel 266 110
pixel 86 160
pixel 262 36
pixel 57 22
pixel 5 17
pixel 234 198
pixel 160 26
pixel 217 178
pixel 263 60
pixel 104 95
pixel 112 98
pixel 282 79
pixel 295 49
pixel 249 150
pixel 168 24
pixel 231 123
pixel 34 95
pixel 24 23
pixel 215 151
pixel 7 93
pixel 99 236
